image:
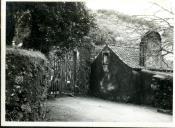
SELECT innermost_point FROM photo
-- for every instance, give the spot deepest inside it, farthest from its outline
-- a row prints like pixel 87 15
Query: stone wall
pixel 150 50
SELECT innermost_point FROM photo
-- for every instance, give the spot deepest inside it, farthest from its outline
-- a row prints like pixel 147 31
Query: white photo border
pixel 54 124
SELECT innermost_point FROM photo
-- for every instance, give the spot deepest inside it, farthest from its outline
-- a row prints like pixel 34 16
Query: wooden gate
pixel 63 79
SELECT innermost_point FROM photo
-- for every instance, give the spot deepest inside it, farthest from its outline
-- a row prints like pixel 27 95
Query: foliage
pixel 27 74
pixel 163 93
pixel 101 36
pixel 43 25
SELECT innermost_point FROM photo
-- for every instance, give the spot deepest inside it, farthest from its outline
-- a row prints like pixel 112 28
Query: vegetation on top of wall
pixel 26 53
pixel 27 75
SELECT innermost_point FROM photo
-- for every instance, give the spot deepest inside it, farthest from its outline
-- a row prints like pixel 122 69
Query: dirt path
pixel 93 109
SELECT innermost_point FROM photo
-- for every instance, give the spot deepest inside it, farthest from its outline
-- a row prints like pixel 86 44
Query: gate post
pixel 74 68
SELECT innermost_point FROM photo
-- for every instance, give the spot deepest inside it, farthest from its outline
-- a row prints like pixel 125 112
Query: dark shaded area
pixel 120 77
pixel 10 24
pixel 163 92
pixel 40 25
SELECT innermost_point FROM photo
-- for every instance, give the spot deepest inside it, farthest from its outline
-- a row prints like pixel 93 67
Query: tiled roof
pixel 130 56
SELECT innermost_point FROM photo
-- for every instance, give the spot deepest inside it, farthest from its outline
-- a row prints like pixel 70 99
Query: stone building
pixel 124 73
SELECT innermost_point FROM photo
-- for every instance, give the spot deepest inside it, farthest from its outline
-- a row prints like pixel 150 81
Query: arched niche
pixel 150 49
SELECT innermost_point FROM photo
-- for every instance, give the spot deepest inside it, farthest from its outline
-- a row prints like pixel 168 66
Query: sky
pixel 132 7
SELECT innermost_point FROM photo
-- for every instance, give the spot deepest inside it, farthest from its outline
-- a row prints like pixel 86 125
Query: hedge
pixel 163 89
pixel 27 75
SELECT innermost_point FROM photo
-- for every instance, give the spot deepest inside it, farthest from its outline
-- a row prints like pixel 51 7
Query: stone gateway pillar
pixel 150 50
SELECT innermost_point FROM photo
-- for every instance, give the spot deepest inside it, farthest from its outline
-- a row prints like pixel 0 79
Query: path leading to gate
pixel 93 109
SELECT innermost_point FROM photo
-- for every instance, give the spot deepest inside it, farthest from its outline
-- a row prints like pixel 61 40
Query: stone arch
pixel 150 50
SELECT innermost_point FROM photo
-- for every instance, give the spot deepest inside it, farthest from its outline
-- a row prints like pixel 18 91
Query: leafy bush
pixel 46 24
pixel 163 93
pixel 27 75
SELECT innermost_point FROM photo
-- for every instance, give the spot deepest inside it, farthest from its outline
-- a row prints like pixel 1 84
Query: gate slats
pixel 63 71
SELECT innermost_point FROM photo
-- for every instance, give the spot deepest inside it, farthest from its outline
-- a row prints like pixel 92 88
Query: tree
pixel 101 36
pixel 163 25
pixel 41 25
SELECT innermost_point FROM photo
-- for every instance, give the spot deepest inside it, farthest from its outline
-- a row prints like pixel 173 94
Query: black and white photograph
pixel 87 62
